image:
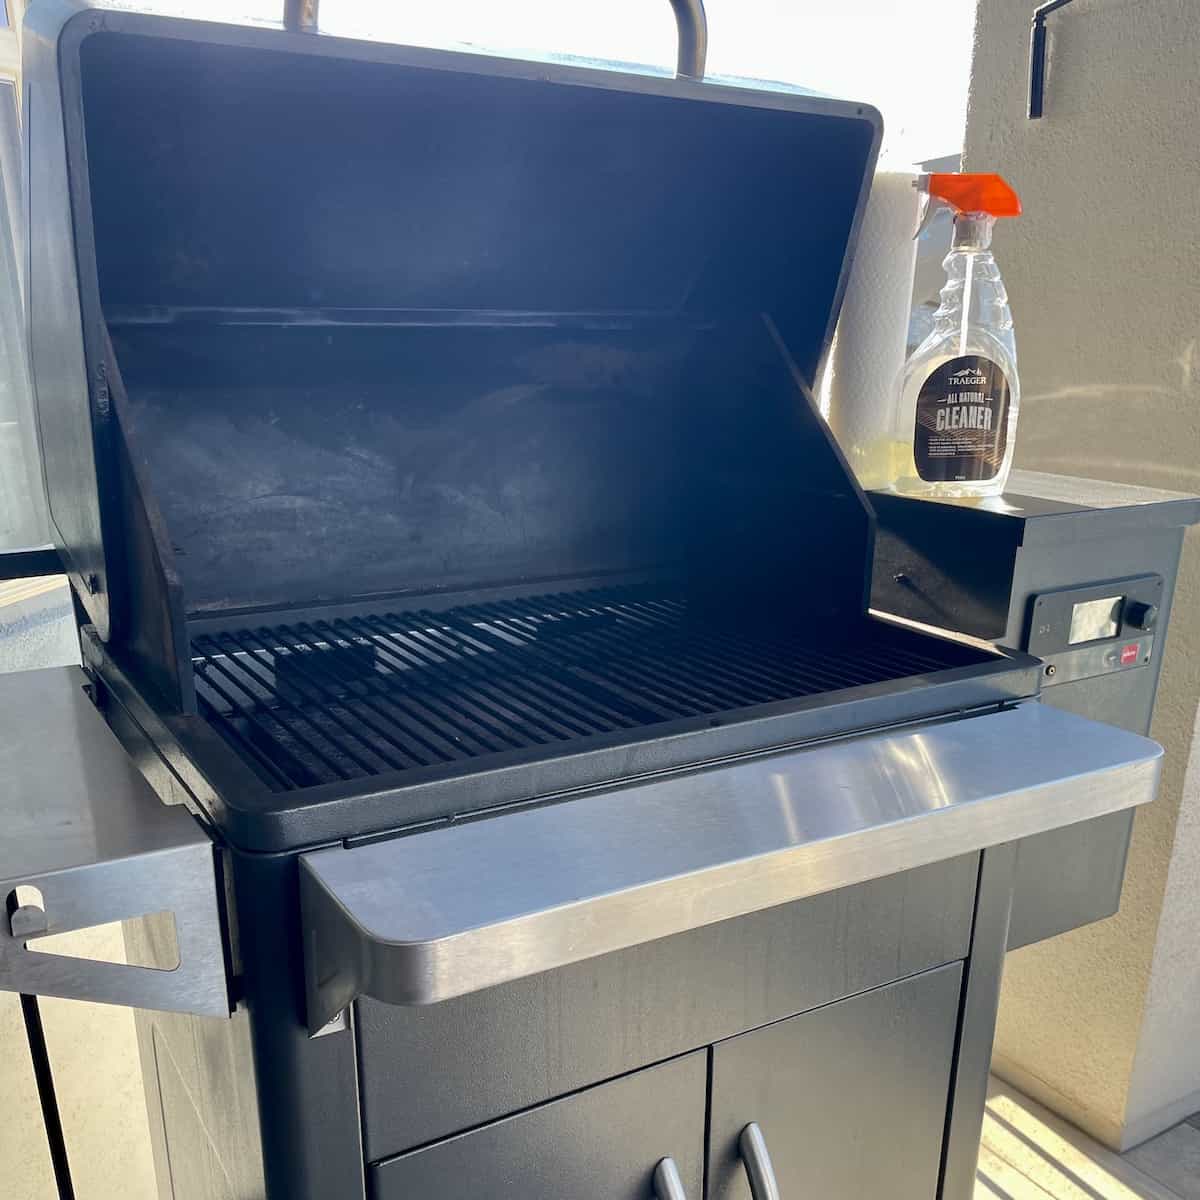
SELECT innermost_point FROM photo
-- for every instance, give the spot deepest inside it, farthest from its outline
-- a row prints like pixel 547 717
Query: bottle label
pixel 962 421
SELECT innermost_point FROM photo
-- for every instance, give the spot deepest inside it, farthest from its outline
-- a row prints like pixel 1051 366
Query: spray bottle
pixel 956 419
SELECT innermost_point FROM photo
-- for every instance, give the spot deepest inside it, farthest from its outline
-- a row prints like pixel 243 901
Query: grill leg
pixel 44 1078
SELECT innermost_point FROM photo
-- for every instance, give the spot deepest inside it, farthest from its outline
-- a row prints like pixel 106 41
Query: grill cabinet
pixel 430 442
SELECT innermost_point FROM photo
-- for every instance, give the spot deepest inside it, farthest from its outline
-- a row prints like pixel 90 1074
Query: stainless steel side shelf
pixel 424 918
pixel 82 827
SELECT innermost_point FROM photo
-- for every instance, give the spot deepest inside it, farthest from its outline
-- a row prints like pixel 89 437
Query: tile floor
pixel 1030 1154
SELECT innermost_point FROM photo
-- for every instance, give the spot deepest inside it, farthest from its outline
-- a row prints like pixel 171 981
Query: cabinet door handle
pixel 667 1184
pixel 752 1146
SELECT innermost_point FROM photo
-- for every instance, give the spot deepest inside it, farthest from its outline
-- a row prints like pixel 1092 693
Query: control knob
pixel 1141 615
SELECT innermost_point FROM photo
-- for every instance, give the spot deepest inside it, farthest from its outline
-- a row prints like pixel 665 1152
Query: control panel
pixel 1095 629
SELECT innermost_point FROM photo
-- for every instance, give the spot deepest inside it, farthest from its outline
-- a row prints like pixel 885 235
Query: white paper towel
pixel 867 357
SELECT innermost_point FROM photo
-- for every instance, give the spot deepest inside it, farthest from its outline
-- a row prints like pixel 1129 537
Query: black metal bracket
pixel 43 1075
pixel 26 564
pixel 1037 56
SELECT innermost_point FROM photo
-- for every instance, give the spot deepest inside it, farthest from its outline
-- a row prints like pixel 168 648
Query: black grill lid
pixel 362 319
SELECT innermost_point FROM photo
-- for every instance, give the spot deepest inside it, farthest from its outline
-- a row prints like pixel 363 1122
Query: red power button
pixel 1129 654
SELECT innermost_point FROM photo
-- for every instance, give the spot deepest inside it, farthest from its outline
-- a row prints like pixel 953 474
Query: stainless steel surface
pixel 667 1184
pixel 1088 493
pixel 82 826
pixel 1086 662
pixel 753 1148
pixel 419 919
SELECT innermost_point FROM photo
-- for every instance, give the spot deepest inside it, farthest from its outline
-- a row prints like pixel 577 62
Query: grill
pixel 455 537
pixel 349 697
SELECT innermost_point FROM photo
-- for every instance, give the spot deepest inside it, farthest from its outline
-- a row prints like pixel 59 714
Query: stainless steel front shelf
pixel 79 824
pixel 423 918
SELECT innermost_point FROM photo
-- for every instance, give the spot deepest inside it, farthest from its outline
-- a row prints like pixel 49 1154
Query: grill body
pixel 487 472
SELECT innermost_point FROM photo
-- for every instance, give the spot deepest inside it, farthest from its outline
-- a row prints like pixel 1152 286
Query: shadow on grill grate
pixel 351 697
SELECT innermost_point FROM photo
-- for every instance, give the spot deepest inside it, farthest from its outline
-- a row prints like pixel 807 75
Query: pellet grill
pixel 478 669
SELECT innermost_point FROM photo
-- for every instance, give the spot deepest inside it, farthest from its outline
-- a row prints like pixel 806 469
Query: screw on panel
pixel 1051 670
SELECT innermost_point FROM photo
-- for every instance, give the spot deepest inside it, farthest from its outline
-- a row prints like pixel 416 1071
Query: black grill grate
pixel 350 697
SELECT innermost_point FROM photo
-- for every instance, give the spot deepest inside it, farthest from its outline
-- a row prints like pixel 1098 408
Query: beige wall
pixel 1104 275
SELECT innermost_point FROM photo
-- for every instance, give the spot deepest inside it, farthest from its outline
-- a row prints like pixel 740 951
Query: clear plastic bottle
pixel 956 416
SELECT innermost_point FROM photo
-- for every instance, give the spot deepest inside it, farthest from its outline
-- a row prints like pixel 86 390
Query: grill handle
pixel 692 24
pixel 690 20
pixel 752 1147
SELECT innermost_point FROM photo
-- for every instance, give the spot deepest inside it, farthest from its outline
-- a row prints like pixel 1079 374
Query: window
pixel 912 61
pixel 37 628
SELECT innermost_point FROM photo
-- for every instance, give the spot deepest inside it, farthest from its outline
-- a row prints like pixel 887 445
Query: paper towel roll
pixel 868 352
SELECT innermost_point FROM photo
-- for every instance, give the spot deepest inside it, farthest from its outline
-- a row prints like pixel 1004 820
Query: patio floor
pixel 1030 1154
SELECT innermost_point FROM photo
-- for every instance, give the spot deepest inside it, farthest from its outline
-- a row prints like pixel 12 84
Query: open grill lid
pixel 325 319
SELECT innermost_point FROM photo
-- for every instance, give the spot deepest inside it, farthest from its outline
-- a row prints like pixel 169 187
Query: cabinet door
pixel 601 1144
pixel 850 1099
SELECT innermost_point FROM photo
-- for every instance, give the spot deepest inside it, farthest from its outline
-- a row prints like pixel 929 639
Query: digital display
pixel 1095 619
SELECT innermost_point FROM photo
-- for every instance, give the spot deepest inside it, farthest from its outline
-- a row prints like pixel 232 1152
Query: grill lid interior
pixel 374 319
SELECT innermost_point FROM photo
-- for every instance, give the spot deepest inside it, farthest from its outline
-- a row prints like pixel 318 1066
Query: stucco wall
pixel 1104 275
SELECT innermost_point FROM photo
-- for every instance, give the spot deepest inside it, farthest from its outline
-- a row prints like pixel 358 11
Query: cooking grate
pixel 354 696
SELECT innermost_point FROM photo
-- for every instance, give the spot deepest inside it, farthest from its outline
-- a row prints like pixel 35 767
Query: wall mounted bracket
pixel 1037 56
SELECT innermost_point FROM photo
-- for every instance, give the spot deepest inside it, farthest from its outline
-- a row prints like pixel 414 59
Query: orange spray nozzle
pixel 973 193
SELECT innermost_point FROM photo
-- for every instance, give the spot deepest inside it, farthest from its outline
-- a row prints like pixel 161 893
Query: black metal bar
pixel 281 770
pixel 447 746
pixel 516 674
pixel 782 669
pixel 673 656
pixel 480 691
pixel 449 707
pixel 419 665
pixel 427 710
pixel 483 622
pixel 589 719
pixel 630 679
pixel 30 564
pixel 626 686
pixel 1037 56
pixel 330 703
pixel 516 689
pixel 385 727
pixel 44 1078
pixel 796 658
pixel 289 716
pixel 301 16
pixel 253 716
pixel 611 644
pixel 773 678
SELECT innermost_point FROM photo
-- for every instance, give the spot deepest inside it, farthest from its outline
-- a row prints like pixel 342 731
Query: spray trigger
pixel 927 209
pixel 965 193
